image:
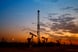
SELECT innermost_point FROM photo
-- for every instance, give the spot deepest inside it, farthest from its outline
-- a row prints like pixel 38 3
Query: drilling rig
pixel 38 25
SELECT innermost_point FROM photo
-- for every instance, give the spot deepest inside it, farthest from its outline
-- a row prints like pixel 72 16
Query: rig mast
pixel 38 25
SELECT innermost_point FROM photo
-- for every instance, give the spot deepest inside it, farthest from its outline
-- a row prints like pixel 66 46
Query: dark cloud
pixel 59 33
pixel 67 14
pixel 66 27
pixel 62 37
pixel 57 37
pixel 42 29
pixel 52 14
pixel 67 8
pixel 43 24
pixel 62 18
pixel 70 8
pixel 65 23
pixel 76 10
pixel 54 20
pixel 65 18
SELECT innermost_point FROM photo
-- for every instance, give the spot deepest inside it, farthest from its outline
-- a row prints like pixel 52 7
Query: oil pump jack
pixel 32 35
pixel 70 42
pixel 45 39
pixel 30 40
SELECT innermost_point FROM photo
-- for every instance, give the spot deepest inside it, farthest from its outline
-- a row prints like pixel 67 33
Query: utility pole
pixel 38 25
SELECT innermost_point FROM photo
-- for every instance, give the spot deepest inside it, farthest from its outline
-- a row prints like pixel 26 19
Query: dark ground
pixel 49 49
pixel 23 47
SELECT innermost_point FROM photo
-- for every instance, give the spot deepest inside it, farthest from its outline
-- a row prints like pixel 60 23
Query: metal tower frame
pixel 38 25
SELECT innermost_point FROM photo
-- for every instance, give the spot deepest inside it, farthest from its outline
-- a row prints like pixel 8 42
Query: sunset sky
pixel 58 19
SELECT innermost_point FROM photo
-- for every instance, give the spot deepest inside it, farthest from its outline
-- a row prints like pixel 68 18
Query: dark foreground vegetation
pixel 40 47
